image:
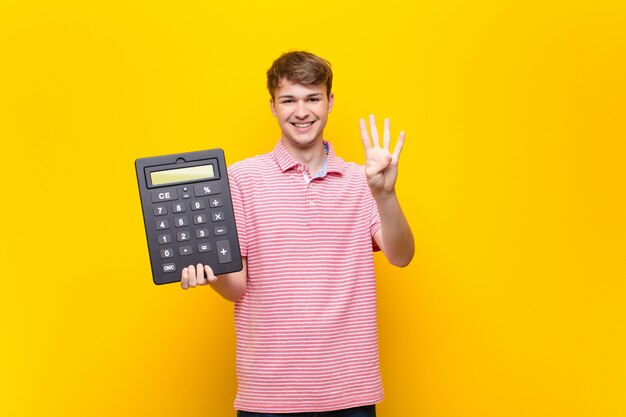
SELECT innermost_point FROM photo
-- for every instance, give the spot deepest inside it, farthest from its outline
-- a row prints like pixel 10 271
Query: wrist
pixel 382 196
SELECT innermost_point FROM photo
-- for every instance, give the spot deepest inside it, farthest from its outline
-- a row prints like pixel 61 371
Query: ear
pixel 272 107
pixel 331 101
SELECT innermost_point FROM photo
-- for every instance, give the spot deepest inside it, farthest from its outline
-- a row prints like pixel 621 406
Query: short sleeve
pixel 240 212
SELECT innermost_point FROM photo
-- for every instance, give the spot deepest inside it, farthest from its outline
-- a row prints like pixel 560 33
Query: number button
pixel 197 205
pixel 199 219
pixel 167 238
pixel 178 208
pixel 160 210
pixel 182 236
pixel 217 217
pixel 181 221
pixel 202 233
pixel 162 225
pixel 167 253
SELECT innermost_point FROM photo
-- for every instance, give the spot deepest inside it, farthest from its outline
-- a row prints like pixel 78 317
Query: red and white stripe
pixel 306 327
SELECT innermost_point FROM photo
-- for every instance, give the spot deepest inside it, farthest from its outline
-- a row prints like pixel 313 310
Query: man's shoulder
pixel 351 170
pixel 251 165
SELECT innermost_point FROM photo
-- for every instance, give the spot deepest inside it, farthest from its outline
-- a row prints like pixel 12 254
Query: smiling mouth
pixel 303 125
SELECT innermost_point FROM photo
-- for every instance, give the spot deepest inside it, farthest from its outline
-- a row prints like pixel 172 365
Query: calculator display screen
pixel 200 172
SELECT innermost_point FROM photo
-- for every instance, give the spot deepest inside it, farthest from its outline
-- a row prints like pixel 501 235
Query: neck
pixel 312 156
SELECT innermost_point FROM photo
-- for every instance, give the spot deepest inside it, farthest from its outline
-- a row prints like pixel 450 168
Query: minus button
pixel 220 230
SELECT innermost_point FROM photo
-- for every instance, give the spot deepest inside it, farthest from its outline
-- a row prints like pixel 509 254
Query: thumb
pixel 385 162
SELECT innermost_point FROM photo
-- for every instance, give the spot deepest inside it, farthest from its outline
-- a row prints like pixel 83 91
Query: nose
pixel 301 110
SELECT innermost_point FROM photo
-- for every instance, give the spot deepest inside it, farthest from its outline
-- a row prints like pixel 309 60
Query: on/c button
pixel 169 268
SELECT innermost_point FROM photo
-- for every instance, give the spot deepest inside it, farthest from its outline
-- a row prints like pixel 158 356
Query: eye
pixel 314 99
pixel 286 101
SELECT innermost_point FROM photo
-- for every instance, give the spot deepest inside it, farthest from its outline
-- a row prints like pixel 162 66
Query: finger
pixel 399 145
pixel 365 137
pixel 192 276
pixel 374 131
pixel 200 275
pixel 386 135
pixel 184 279
pixel 209 274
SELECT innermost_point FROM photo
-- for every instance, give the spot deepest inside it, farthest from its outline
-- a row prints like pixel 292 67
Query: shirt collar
pixel 286 162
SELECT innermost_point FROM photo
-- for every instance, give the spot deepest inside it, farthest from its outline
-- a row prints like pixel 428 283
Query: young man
pixel 305 301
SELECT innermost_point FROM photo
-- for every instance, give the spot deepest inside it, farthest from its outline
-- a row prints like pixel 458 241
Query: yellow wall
pixel 513 178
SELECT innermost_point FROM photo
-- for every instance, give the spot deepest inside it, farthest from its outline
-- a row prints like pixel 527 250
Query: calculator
pixel 188 213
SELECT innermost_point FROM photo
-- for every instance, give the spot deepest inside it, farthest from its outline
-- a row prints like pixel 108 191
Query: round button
pixel 311 203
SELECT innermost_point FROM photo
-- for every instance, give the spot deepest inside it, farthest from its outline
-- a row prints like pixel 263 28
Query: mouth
pixel 303 126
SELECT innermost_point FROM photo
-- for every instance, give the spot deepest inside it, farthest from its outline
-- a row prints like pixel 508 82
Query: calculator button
pixel 167 238
pixel 204 247
pixel 217 217
pixel 186 193
pixel 159 196
pixel 167 253
pixel 215 202
pixel 169 268
pixel 184 250
pixel 199 219
pixel 202 233
pixel 182 236
pixel 223 251
pixel 178 208
pixel 181 221
pixel 197 205
pixel 202 190
pixel 162 224
pixel 160 210
pixel 218 231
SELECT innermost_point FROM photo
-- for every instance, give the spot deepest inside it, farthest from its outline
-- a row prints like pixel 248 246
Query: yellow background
pixel 513 179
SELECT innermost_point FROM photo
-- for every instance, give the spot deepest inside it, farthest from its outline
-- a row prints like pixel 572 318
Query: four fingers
pixel 198 275
pixel 374 142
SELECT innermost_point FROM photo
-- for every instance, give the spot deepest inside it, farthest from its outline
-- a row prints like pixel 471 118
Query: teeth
pixel 303 124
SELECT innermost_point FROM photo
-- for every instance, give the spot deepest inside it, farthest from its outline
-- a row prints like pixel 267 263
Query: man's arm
pixel 230 286
pixel 394 238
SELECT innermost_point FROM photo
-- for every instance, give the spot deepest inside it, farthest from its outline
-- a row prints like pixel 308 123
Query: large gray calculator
pixel 188 213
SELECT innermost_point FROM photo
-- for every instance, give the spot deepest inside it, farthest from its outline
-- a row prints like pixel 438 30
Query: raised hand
pixel 381 166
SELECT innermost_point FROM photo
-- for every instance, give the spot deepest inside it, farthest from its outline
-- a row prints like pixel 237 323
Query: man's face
pixel 302 111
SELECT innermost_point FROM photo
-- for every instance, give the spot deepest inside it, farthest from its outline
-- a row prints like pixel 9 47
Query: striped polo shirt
pixel 306 327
